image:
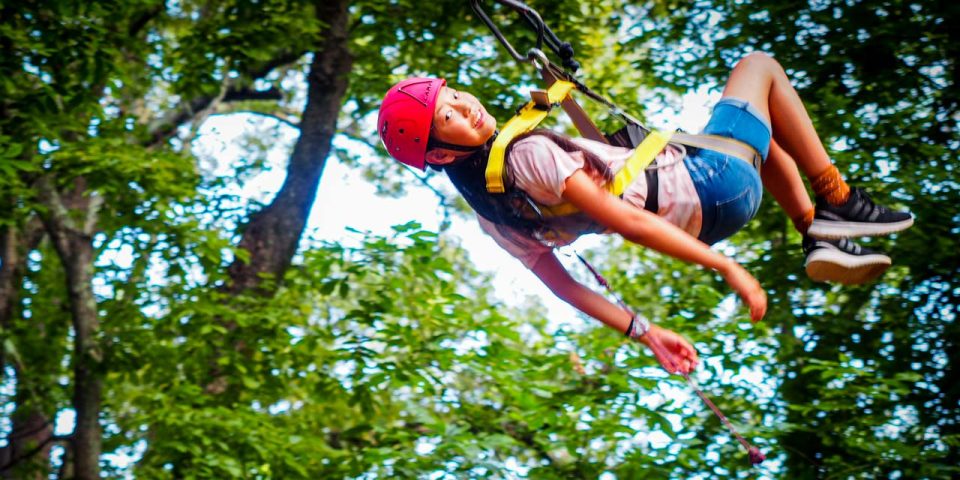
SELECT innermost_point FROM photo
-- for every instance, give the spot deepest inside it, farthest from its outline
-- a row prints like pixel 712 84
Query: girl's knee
pixel 761 61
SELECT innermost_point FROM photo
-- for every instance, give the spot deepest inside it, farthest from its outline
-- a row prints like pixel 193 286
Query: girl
pixel 692 201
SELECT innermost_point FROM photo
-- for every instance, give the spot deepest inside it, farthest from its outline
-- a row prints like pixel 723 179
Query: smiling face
pixel 460 119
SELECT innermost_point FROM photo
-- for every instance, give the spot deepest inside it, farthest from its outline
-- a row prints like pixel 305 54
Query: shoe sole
pixel 838 267
pixel 834 230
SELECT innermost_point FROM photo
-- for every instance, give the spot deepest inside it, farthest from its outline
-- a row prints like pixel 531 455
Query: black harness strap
pixel 652 203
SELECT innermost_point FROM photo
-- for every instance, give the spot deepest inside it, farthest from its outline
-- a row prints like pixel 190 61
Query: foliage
pixel 868 374
pixel 389 356
pixel 341 377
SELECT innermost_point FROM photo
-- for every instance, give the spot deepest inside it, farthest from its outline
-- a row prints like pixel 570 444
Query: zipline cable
pixel 563 49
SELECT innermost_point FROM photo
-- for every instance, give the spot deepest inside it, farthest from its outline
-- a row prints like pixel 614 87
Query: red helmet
pixel 406 115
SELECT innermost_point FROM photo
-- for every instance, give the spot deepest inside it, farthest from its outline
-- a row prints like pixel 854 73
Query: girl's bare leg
pixel 782 180
pixel 760 80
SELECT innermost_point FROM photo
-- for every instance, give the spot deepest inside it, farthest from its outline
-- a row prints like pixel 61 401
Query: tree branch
pixel 52 438
pixel 143 19
pixel 26 432
pixel 57 219
pixel 235 94
pixel 163 128
pixel 280 60
pixel 276 116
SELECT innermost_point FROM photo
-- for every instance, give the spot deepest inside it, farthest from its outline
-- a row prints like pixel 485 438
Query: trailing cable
pixel 756 457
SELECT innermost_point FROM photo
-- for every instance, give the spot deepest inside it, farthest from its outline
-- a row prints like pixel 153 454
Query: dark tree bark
pixel 27 452
pixel 73 242
pixel 272 235
pixel 15 244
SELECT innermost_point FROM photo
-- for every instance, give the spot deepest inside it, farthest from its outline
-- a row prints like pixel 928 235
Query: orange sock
pixel 802 222
pixel 830 185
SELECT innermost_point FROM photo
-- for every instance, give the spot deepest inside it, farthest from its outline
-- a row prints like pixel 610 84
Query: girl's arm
pixel 645 228
pixel 674 353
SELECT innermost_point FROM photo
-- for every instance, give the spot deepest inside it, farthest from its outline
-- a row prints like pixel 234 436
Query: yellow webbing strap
pixel 642 156
pixel 525 120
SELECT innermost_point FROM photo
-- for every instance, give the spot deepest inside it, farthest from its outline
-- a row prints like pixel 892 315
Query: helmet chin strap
pixel 434 143
pixel 451 146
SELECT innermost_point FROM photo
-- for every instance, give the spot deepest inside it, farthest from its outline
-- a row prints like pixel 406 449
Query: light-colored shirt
pixel 541 168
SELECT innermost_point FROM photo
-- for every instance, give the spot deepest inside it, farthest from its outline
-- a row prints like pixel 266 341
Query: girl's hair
pixel 468 177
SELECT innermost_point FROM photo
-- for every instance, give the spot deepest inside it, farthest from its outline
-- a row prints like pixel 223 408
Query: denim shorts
pixel 729 188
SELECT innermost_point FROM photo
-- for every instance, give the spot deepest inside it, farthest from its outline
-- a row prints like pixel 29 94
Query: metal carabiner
pixel 529 14
pixel 535 55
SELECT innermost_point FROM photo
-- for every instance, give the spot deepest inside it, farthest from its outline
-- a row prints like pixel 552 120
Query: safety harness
pixel 530 115
pixel 652 143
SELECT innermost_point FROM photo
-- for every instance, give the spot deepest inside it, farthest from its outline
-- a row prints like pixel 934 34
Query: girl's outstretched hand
pixel 673 352
pixel 749 290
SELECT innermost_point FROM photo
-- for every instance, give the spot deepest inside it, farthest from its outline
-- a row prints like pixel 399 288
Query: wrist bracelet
pixel 639 326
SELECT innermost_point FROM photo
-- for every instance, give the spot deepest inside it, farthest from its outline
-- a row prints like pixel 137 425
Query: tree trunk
pixel 27 452
pixel 272 235
pixel 74 246
pixel 14 247
pixel 10 261
pixel 88 383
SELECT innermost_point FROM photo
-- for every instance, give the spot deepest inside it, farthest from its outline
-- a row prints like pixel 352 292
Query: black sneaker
pixel 842 261
pixel 859 217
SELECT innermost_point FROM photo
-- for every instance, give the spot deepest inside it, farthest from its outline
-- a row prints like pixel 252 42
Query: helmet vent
pixel 418 92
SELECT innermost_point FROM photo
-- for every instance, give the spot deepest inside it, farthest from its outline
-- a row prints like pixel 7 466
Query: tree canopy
pixel 194 332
